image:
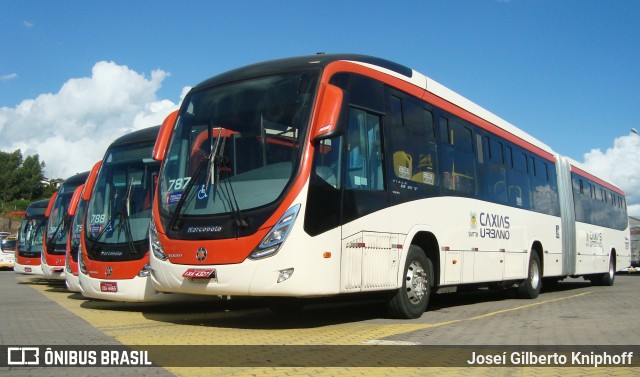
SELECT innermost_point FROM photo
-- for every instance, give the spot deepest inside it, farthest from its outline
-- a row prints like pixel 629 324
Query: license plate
pixel 200 273
pixel 27 269
pixel 108 286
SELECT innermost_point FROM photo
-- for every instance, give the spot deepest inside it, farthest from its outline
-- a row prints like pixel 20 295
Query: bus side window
pixel 364 151
pixel 458 159
pixel 326 164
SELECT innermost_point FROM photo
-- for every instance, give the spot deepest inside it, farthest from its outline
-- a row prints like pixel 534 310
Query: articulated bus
pixel 54 248
pixel 114 258
pixel 340 174
pixel 30 237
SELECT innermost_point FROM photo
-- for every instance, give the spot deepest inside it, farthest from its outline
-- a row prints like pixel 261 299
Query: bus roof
pixel 584 172
pixel 145 134
pixel 37 208
pixel 300 62
pixel 78 178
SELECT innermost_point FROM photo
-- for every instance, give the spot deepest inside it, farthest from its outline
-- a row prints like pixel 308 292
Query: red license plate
pixel 108 286
pixel 200 273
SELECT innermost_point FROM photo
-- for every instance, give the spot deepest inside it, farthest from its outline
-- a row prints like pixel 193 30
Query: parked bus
pixel 114 258
pixel 77 209
pixel 8 248
pixel 54 248
pixel 9 244
pixel 338 174
pixel 30 238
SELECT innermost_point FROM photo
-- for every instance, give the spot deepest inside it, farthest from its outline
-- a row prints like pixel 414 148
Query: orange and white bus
pixel 76 214
pixel 54 247
pixel 338 174
pixel 30 235
pixel 114 258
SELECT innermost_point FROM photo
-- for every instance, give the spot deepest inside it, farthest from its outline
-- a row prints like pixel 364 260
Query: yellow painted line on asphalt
pixel 502 311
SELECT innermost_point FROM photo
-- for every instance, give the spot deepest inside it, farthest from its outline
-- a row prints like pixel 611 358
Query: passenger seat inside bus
pixel 402 164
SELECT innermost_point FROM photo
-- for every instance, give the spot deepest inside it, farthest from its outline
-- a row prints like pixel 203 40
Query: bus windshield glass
pixel 236 146
pixel 30 236
pixel 118 213
pixel 57 232
pixel 76 229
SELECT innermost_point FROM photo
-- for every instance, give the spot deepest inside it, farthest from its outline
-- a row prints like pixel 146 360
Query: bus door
pixel 370 256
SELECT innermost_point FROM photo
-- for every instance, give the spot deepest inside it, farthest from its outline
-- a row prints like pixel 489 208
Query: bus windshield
pixel 30 237
pixel 57 224
pixel 8 245
pixel 118 213
pixel 236 146
pixel 76 229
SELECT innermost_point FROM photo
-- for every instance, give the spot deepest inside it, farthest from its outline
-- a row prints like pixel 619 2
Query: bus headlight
pixel 274 239
pixel 146 270
pixel 67 263
pixel 81 266
pixel 154 242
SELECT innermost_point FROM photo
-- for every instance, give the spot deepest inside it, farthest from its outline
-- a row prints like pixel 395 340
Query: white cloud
pixel 71 129
pixel 620 164
pixel 28 24
pixel 9 76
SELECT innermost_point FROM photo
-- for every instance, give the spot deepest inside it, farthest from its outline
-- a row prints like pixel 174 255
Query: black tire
pixel 531 286
pixel 608 277
pixel 411 300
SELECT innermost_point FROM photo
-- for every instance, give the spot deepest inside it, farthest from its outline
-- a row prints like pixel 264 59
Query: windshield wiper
pixel 51 239
pixel 230 197
pixel 211 158
pixel 222 161
pixel 123 216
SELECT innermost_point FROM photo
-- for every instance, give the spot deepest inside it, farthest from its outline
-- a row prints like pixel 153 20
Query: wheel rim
pixel 534 274
pixel 611 268
pixel 416 282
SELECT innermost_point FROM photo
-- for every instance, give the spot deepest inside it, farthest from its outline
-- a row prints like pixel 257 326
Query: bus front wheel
pixel 411 300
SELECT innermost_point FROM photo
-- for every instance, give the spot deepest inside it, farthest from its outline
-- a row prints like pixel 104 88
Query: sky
pixel 75 75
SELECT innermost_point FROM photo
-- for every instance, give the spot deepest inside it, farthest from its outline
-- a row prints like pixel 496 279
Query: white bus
pixel 76 211
pixel 114 252
pixel 30 234
pixel 337 174
pixel 54 246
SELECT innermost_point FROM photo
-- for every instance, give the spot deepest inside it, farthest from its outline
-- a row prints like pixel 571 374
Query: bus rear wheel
pixel 608 277
pixel 530 287
pixel 411 300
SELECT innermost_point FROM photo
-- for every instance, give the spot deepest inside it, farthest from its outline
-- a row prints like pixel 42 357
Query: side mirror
pixel 50 205
pixel 160 148
pixel 329 109
pixel 91 181
pixel 75 199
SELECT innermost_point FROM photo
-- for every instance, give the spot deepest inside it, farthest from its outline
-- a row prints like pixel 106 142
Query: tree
pixel 31 178
pixel 9 163
pixel 21 179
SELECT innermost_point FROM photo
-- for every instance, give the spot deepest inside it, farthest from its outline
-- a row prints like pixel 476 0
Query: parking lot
pixel 330 337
